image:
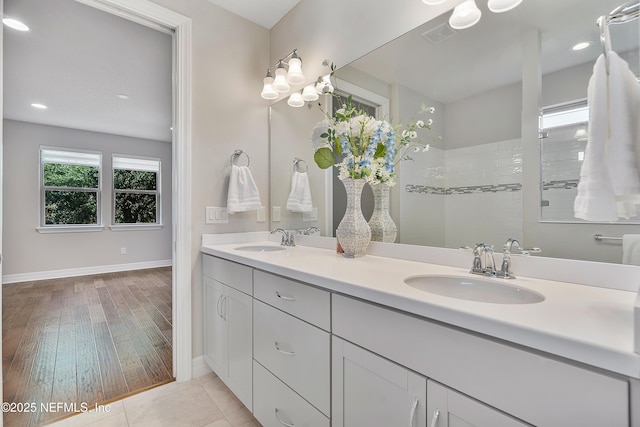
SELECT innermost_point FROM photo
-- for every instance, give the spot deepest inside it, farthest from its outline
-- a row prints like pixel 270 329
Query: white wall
pixel 27 251
pixel 230 56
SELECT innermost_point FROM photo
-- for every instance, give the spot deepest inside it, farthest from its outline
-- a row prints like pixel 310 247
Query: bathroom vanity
pixel 306 337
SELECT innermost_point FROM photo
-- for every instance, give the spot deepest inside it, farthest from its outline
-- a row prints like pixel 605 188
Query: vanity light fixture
pixel 581 46
pixel 15 24
pixel 288 71
pixel 295 100
pixel 309 93
pixel 467 14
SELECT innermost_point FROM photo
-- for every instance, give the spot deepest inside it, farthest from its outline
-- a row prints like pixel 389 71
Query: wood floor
pixel 83 341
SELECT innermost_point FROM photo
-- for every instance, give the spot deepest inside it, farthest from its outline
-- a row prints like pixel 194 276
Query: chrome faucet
pixel 288 237
pixel 505 268
pixel 308 231
pixel 483 261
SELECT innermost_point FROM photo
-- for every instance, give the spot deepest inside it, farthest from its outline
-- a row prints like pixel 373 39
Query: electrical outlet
pixel 261 214
pixel 275 214
pixel 123 251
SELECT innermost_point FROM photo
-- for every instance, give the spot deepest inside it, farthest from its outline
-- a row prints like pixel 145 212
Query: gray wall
pixel 26 250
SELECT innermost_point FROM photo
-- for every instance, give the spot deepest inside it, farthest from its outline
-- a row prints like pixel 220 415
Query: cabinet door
pixel 448 408
pixel 215 327
pixel 368 390
pixel 238 313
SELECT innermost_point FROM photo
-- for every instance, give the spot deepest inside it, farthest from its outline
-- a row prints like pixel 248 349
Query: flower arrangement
pixel 364 147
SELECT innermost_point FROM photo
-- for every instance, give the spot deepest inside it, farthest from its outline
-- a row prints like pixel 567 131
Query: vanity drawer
pixel 303 301
pixel 295 351
pixel 230 273
pixel 275 404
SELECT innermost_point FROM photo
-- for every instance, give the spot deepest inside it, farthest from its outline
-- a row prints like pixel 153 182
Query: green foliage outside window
pixel 136 202
pixel 70 207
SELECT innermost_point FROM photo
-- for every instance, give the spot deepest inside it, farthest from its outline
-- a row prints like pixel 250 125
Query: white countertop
pixel 588 324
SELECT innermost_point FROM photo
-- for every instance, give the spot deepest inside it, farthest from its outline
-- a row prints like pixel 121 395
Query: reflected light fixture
pixel 467 14
pixel 309 93
pixel 15 24
pixel 295 100
pixel 288 71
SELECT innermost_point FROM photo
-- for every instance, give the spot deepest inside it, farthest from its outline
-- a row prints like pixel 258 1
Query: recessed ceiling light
pixel 581 45
pixel 39 106
pixel 123 96
pixel 15 24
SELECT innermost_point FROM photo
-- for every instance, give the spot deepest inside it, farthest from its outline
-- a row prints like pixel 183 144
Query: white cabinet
pixel 368 390
pixel 448 408
pixel 228 336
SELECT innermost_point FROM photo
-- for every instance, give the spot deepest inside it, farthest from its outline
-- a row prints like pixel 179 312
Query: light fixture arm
pixel 284 60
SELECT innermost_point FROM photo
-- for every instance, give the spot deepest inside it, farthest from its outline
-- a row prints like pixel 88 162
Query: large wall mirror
pixel 477 182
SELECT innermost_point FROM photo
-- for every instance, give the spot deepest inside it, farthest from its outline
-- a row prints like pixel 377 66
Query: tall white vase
pixel 383 229
pixel 353 232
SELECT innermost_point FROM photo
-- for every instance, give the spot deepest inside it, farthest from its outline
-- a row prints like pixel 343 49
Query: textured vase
pixel 383 229
pixel 353 233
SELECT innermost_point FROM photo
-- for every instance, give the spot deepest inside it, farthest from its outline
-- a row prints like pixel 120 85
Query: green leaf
pixel 380 151
pixel 324 135
pixel 324 158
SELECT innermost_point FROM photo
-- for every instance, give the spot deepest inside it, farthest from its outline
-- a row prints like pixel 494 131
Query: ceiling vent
pixel 440 33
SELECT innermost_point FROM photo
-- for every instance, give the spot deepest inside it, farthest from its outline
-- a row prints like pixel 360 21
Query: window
pixel 70 188
pixel 136 190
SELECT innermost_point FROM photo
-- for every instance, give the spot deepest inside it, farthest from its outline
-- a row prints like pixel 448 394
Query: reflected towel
pixel 300 195
pixel 243 193
pixel 631 249
pixel 609 182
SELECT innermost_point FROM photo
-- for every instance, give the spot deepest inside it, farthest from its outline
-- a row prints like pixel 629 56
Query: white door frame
pixel 153 15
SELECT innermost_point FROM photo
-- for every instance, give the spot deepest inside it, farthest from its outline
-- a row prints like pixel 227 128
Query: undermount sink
pixel 260 248
pixel 474 289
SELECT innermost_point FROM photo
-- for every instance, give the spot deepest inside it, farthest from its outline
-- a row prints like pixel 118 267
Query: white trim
pixel 199 367
pixel 151 14
pixel 135 227
pixel 382 109
pixel 83 271
pixel 50 229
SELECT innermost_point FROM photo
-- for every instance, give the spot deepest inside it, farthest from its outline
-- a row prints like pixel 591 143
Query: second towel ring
pixel 237 154
pixel 298 164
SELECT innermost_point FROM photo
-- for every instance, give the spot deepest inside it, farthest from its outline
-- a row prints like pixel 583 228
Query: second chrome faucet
pixel 484 263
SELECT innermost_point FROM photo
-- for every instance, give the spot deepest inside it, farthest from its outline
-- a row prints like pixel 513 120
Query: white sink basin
pixel 474 289
pixel 259 248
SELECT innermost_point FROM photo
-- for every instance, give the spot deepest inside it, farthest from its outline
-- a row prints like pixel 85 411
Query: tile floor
pixel 201 402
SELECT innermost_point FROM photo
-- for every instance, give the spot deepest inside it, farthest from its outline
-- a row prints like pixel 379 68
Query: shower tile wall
pixel 477 190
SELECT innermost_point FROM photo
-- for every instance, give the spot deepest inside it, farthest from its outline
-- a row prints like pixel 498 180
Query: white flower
pixel 416 149
pixel 405 133
pixel 413 134
pixel 432 110
pixel 426 148
pixel 320 128
pixel 420 124
pixel 429 122
pixel 341 110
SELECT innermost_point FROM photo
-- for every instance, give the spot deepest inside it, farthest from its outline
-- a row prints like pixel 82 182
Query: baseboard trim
pixel 199 367
pixel 83 271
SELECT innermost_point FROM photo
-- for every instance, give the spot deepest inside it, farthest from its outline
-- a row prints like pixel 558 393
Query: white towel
pixel 631 249
pixel 300 195
pixel 243 193
pixel 609 183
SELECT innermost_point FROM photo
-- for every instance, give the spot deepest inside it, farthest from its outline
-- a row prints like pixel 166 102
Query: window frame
pixel 61 228
pixel 158 193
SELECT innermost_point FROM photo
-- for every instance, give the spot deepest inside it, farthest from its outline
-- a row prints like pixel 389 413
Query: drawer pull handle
pixel 412 415
pixel 285 298
pixel 282 422
pixel 434 420
pixel 288 353
pixel 218 309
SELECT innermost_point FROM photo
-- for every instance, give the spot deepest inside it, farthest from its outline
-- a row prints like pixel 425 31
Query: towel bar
pixel 601 237
pixel 238 153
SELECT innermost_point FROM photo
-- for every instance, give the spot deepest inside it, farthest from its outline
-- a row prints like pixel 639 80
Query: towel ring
pixel 297 167
pixel 237 154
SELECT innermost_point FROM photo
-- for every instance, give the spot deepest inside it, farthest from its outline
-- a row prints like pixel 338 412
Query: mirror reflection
pixel 471 185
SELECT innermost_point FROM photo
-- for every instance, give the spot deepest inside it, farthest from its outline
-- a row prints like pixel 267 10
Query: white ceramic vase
pixel 353 232
pixel 383 229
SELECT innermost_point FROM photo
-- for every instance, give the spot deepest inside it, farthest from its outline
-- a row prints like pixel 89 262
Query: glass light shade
pixel 309 93
pixel 295 76
pixel 280 83
pixel 465 15
pixel 295 100
pixel 268 92
pixel 499 6
pixel 433 2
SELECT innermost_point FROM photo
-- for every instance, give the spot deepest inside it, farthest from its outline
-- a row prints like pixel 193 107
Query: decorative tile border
pixel 470 189
pixel 565 184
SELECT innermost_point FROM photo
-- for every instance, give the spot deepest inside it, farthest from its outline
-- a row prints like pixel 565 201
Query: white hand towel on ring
pixel 300 195
pixel 243 193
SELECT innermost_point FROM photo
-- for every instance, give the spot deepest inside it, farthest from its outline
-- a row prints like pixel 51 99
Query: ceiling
pixel 489 54
pixel 76 60
pixel 262 12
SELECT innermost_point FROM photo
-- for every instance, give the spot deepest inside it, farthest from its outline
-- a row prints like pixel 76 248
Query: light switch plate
pixel 216 215
pixel 261 214
pixel 275 214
